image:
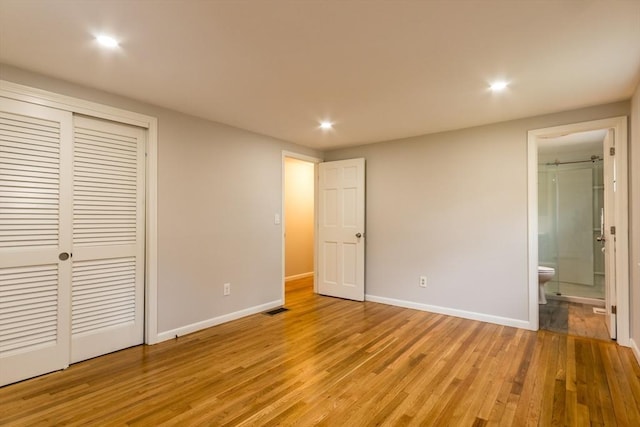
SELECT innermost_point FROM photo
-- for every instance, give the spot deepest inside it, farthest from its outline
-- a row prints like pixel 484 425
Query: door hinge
pixel 612 151
pixel 613 230
pixel 614 309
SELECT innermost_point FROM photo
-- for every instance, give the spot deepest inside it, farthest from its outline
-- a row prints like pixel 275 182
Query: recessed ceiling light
pixel 498 86
pixel 326 125
pixel 107 41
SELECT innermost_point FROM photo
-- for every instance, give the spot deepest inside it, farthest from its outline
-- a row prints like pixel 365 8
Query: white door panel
pixel 341 229
pixel 108 238
pixel 35 219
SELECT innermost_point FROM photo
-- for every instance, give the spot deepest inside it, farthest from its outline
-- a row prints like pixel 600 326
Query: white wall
pixel 634 221
pixel 299 216
pixel 453 206
pixel 218 190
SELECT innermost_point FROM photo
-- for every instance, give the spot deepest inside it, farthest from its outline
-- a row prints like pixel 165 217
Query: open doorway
pixel 299 205
pixel 571 217
pixel 578 221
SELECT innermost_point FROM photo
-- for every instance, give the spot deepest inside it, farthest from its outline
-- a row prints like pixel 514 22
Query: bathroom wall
pixel 219 188
pixel 453 206
pixel 299 217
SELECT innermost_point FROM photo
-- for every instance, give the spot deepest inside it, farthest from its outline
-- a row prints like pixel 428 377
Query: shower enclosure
pixel 570 214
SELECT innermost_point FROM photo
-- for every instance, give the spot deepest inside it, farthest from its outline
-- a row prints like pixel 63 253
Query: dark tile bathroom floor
pixel 573 319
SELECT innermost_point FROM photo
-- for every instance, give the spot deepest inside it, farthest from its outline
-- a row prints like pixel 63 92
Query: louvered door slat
pixel 89 174
pixel 108 158
pixel 104 279
pixel 124 298
pixel 36 318
pixel 105 187
pixel 18 190
pixel 10 178
pixel 106 138
pixel 35 308
pixel 25 170
pixel 20 140
pixel 34 147
pixel 49 135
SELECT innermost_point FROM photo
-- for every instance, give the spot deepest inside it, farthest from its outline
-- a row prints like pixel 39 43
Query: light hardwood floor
pixel 332 362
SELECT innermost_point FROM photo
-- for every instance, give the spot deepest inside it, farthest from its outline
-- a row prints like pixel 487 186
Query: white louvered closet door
pixel 35 228
pixel 108 238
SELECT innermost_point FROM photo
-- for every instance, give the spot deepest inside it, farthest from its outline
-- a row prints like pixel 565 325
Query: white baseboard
pixel 298 276
pixel 194 327
pixel 505 321
pixel 635 349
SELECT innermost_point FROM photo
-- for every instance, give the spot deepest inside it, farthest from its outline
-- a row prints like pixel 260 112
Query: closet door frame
pixel 79 106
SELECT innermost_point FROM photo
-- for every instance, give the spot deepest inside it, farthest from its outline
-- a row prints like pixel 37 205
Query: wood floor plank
pixel 329 362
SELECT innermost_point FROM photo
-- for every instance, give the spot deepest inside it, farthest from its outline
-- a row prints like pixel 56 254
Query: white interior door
pixel 108 237
pixel 609 237
pixel 341 215
pixel 35 235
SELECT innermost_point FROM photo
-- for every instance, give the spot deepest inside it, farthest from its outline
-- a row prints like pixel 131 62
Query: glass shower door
pixel 570 198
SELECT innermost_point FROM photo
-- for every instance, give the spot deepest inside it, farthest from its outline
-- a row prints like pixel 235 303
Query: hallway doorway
pixel 299 207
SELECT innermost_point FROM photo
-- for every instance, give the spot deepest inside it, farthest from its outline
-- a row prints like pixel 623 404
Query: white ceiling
pixel 379 70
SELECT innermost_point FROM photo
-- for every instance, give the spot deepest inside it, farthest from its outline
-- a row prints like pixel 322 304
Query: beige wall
pixel 453 207
pixel 299 216
pixel 634 220
pixel 219 188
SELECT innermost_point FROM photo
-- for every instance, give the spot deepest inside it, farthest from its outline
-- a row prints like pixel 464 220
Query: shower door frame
pixel 621 216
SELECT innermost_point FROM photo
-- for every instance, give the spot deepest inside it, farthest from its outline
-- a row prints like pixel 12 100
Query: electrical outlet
pixel 423 281
pixel 226 289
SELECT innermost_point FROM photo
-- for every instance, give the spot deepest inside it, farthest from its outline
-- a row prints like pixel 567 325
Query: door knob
pixel 63 256
pixel 358 235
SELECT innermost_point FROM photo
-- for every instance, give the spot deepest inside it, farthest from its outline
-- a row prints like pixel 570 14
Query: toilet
pixel 544 275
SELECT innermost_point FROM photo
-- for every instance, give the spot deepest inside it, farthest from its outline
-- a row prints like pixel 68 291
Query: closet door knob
pixel 358 235
pixel 63 256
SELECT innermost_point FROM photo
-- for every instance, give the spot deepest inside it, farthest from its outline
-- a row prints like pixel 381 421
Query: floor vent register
pixel 276 311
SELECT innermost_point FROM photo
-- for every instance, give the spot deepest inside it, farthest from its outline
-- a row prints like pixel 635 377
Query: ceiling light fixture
pixel 107 41
pixel 326 125
pixel 498 86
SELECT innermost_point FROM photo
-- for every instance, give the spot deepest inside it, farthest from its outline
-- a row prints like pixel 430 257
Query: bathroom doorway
pixel 579 213
pixel 570 229
pixel 571 216
pixel 298 223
